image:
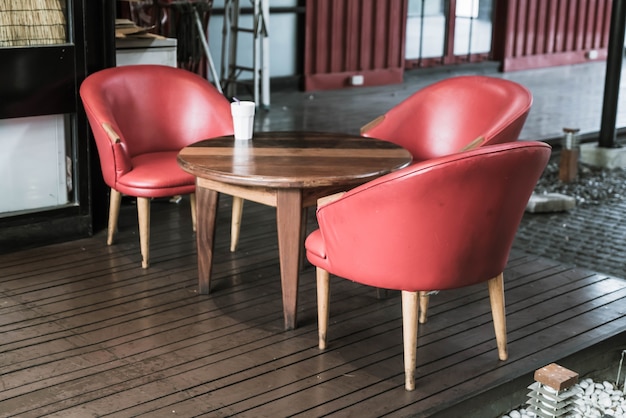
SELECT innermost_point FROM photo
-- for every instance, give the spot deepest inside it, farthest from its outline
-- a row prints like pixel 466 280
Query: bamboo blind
pixel 32 22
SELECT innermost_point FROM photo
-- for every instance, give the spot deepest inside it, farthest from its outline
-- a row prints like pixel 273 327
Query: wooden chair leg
pixel 323 296
pixel 496 297
pixel 143 213
pixel 409 333
pixel 114 214
pixel 192 202
pixel 424 299
pixel 235 224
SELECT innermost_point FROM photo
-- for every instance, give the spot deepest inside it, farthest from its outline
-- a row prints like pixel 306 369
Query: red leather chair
pixel 455 114
pixel 141 116
pixel 444 223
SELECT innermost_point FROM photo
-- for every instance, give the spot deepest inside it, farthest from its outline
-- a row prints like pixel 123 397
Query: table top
pixel 293 159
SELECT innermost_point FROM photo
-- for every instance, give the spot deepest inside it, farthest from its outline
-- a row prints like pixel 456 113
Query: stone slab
pixel 592 154
pixel 550 202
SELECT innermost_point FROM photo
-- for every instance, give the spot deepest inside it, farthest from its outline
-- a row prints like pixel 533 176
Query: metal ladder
pixel 231 71
pixel 189 9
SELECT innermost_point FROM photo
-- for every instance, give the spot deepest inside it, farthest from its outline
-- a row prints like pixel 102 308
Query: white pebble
pixel 594 400
pixel 593 412
pixel 580 401
pixel 606 402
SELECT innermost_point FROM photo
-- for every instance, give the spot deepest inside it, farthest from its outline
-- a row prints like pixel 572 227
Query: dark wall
pixel 45 80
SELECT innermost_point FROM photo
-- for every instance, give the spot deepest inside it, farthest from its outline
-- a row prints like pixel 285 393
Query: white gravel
pixel 592 186
pixel 596 399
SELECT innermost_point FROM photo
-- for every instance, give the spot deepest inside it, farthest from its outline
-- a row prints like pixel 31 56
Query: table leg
pixel 305 216
pixel 206 210
pixel 289 225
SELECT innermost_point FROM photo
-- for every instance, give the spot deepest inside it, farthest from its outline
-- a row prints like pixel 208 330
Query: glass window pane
pixel 35 165
pixel 34 22
pixel 425 29
pixel 274 3
pixel 473 27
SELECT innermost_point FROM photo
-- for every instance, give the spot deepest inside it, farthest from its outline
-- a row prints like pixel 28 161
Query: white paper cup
pixel 243 118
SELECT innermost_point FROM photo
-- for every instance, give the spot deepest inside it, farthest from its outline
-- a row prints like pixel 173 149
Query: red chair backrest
pixel 443 223
pixel 444 117
pixel 153 108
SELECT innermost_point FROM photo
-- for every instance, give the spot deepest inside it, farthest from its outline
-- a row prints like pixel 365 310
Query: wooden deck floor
pixel 86 332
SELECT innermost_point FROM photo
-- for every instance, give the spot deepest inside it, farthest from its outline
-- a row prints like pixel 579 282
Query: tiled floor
pixel 566 96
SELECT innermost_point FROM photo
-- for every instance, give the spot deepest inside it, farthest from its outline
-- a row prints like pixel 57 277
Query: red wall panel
pixel 541 33
pixel 354 37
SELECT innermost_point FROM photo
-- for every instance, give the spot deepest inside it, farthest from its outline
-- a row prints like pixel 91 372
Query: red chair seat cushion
pixel 156 174
pixel 316 250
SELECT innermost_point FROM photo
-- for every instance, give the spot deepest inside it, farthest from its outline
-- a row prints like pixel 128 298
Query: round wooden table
pixel 287 170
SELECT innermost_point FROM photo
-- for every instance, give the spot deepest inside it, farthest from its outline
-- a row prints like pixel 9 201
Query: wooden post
pixel 568 168
pixel 568 165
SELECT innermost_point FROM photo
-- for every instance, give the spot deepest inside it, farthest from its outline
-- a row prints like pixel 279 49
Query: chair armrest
pixel 372 124
pixel 473 144
pixel 113 136
pixel 122 161
pixel 322 201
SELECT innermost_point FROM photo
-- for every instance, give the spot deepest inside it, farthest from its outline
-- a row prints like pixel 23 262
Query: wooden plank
pixel 87 332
